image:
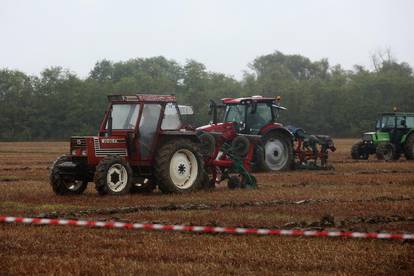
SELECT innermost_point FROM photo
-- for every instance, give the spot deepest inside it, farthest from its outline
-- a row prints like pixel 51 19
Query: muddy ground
pixel 361 196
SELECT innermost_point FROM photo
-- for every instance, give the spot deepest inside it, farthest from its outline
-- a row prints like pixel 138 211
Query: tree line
pixel 320 98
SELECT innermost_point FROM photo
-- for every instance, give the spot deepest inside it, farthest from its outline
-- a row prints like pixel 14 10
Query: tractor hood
pixel 376 137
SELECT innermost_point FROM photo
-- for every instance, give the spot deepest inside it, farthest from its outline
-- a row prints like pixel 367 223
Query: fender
pixel 275 127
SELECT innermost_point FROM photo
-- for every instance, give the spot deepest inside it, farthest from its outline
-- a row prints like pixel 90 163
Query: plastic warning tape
pixel 205 229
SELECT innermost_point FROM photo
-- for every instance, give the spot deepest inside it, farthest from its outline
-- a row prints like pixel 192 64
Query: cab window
pixel 235 113
pixel 401 122
pixel 388 122
pixel 261 117
pixel 124 116
pixel 409 121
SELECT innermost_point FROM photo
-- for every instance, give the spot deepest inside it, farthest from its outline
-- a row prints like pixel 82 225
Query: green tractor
pixel 394 135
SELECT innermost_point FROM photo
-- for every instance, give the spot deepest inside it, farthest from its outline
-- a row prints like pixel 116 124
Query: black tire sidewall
pixel 101 173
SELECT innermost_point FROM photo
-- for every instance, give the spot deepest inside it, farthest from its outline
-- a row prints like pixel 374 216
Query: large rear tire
pixel 357 152
pixel 65 185
pixel 278 152
pixel 409 147
pixel 387 152
pixel 179 167
pixel 113 176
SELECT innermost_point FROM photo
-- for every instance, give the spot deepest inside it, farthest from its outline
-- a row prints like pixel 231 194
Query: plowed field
pixel 358 195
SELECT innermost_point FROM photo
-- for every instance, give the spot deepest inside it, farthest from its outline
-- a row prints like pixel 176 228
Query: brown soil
pixel 357 195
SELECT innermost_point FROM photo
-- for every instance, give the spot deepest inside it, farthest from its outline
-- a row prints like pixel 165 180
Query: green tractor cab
pixel 393 136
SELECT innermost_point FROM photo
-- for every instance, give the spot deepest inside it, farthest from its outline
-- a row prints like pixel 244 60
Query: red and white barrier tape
pixel 205 229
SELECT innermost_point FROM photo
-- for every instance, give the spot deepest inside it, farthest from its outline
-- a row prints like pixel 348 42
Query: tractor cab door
pixel 399 131
pixel 237 113
pixel 148 129
pixel 258 116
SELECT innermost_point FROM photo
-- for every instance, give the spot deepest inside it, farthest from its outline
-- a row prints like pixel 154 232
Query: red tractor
pixel 142 142
pixel 257 115
pixel 281 148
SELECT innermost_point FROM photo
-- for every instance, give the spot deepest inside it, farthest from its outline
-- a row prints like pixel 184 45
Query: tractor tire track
pixel 206 206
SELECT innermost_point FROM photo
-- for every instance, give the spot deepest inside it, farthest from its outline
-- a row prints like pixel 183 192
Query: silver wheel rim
pixel 74 185
pixel 117 178
pixel 276 154
pixel 183 169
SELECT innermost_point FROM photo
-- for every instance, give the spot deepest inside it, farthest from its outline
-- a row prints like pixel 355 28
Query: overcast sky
pixel 225 35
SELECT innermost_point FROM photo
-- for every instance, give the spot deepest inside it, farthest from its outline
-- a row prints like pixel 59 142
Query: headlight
pixel 84 152
pixel 74 152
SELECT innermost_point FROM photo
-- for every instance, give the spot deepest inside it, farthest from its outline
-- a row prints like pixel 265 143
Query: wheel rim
pixel 276 154
pixel 183 169
pixel 117 177
pixel 74 185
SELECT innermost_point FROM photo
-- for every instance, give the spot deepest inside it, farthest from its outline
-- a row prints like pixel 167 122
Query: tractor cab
pixel 395 120
pixel 252 114
pixel 132 127
pixel 141 120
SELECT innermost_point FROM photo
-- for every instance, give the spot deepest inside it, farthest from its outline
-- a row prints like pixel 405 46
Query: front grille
pixel 367 137
pixel 76 143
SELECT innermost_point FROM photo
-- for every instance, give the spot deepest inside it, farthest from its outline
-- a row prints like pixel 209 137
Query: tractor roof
pixel 252 98
pixel 142 98
pixel 397 114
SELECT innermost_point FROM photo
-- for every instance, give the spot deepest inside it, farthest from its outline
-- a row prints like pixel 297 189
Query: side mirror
pixel 186 109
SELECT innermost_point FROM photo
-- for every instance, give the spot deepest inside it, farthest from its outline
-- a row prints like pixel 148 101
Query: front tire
pixel 113 176
pixel 278 152
pixel 65 185
pixel 409 147
pixel 358 153
pixel 179 167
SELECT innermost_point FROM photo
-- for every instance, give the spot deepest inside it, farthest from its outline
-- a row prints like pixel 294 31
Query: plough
pixel 228 156
pixel 311 151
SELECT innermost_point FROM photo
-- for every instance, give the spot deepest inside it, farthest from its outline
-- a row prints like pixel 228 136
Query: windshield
pixel 124 116
pixel 260 117
pixel 386 122
pixel 235 113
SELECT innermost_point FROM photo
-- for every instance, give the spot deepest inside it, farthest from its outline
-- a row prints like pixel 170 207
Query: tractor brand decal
pixel 100 152
pixel 112 141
